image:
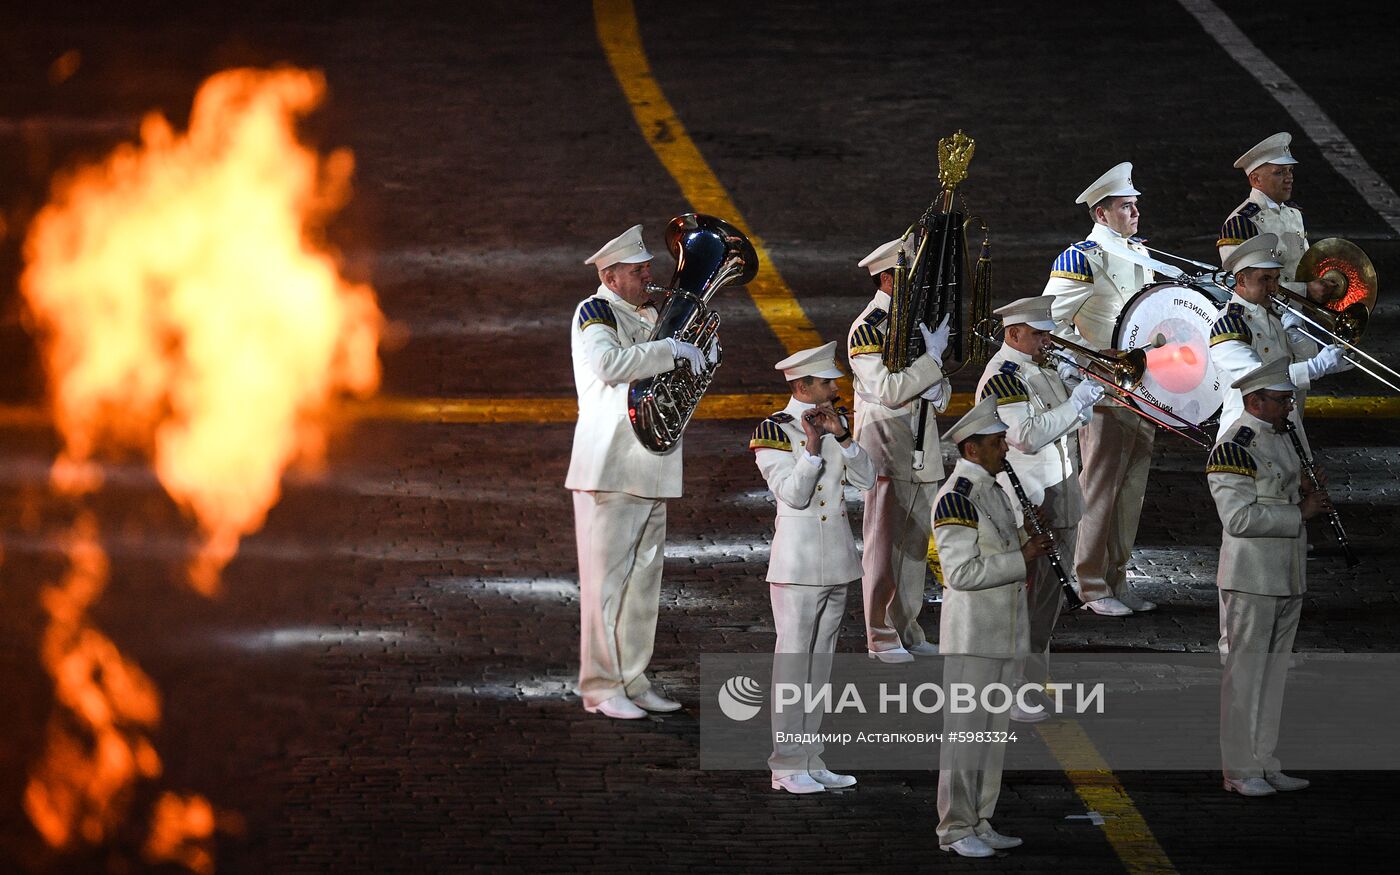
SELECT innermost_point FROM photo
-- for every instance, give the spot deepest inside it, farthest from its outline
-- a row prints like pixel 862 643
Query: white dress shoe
pixel 998 842
pixel 651 700
pixel 1285 783
pixel 618 708
pixel 1249 786
pixel 928 648
pixel 898 654
pixel 831 780
pixel 969 846
pixel 1136 604
pixel 798 784
pixel 1017 715
pixel 1108 607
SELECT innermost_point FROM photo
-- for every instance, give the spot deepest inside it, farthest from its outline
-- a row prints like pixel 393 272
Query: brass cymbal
pixel 1344 258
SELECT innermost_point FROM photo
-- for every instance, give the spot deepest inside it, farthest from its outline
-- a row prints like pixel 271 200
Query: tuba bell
pixel 710 253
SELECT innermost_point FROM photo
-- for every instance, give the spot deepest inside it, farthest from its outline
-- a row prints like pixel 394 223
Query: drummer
pixel 1092 281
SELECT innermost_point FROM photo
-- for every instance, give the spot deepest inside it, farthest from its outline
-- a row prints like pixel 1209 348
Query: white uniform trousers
pixel 621 551
pixel 898 522
pixel 969 772
pixel 1044 599
pixel 808 619
pixel 1261 630
pixel 1116 448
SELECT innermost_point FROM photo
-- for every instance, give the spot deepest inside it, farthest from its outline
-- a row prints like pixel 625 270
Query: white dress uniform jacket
pixel 1254 479
pixel 812 543
pixel 1249 335
pixel 979 544
pixel 610 349
pixel 1041 426
pixel 1091 286
pixel 887 403
pixel 1259 214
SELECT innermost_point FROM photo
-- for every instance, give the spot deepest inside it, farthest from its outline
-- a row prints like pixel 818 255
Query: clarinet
pixel 1053 554
pixel 1332 516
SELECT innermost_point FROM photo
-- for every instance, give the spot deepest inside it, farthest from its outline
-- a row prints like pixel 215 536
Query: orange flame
pixel 188 310
pixel 97 745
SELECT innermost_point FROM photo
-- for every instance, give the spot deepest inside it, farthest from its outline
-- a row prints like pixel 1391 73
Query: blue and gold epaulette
pixel 963 486
pixel 596 311
pixel 781 416
pixel 1249 209
pixel 1231 326
pixel 1243 436
pixel 955 509
pixel 876 316
pixel 1229 457
pixel 770 436
pixel 1236 230
pixel 866 339
pixel 1072 265
pixel 1007 388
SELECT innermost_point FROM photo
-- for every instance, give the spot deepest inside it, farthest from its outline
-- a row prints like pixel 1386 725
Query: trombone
pixel 1327 326
pixel 1118 374
pixel 1345 265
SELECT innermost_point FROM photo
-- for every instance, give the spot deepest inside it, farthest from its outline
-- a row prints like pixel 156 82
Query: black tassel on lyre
pixel 979 350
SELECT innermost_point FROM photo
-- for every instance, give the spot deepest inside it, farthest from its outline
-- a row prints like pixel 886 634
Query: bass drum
pixel 1180 375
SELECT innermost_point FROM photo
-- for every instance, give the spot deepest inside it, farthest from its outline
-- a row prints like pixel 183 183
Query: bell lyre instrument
pixel 930 285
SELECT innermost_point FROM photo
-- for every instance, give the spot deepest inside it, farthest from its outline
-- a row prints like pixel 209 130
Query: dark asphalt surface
pixel 385 684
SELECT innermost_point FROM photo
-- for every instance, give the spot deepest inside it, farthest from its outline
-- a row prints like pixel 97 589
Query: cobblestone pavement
pixel 385 684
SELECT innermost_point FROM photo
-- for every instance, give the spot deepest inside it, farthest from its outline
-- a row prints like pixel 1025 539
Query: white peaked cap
pixel 885 256
pixel 1272 376
pixel 819 361
pixel 1117 182
pixel 981 419
pixel 1270 150
pixel 1260 251
pixel 1034 312
pixel 626 248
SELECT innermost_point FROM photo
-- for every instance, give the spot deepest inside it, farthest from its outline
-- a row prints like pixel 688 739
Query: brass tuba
pixel 710 253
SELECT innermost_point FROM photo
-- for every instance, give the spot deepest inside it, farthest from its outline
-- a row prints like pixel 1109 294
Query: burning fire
pixel 187 309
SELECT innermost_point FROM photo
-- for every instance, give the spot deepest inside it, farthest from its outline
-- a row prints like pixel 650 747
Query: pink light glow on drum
pixel 1179 365
pixel 1180 376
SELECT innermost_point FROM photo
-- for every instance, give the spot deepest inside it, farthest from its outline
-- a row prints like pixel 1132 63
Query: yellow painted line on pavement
pixel 562 409
pixel 616 22
pixel 715 406
pixel 1123 825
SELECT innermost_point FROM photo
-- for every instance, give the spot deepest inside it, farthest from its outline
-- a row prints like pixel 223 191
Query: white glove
pixel 713 352
pixel 936 342
pixel 1328 361
pixel 1069 374
pixel 690 352
pixel 1085 394
pixel 1290 319
pixel 933 394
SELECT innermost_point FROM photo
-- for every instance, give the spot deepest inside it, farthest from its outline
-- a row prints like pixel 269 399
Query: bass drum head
pixel 1180 375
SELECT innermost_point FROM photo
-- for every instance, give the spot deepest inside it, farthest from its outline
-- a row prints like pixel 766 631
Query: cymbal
pixel 1347 259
